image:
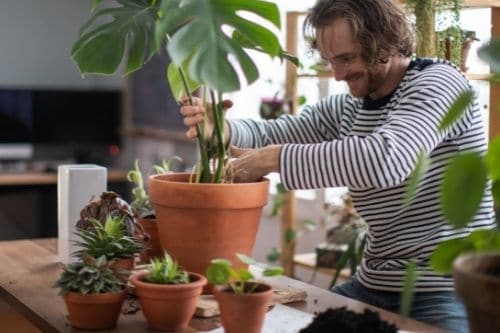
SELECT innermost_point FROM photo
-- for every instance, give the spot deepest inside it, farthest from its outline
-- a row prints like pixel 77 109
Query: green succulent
pixel 166 271
pixel 220 272
pixel 91 277
pixel 141 204
pixel 109 240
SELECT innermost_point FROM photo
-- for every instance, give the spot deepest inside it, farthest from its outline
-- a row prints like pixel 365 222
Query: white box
pixel 77 185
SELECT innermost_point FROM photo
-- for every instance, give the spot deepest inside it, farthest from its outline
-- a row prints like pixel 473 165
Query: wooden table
pixel 30 267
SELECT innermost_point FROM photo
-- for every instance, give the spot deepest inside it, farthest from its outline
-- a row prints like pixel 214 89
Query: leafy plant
pixel 166 271
pixel 202 50
pixel 220 272
pixel 141 204
pixel 108 240
pixel 89 277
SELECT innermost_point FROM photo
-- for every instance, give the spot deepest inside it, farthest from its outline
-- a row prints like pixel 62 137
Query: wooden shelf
pixel 308 261
pixel 41 178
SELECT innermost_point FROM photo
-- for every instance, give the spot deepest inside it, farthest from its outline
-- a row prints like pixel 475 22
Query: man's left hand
pixel 250 165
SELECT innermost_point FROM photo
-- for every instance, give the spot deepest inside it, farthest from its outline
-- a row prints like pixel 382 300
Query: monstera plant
pixel 207 41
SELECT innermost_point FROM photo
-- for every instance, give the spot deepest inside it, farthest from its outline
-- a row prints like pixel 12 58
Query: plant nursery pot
pixel 200 222
pixel 168 307
pixel 243 313
pixel 94 311
pixel 153 246
pixel 477 283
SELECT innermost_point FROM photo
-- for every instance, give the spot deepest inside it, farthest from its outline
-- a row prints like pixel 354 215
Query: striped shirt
pixel 371 147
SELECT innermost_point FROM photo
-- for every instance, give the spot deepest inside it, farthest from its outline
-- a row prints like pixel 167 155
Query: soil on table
pixel 341 320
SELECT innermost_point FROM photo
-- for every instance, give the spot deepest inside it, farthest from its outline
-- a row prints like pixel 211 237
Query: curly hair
pixel 381 27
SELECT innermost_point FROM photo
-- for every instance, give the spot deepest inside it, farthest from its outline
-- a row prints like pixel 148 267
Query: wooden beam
pixel 494 122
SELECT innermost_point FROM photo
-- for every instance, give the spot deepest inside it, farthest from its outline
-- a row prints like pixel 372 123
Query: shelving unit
pixel 288 221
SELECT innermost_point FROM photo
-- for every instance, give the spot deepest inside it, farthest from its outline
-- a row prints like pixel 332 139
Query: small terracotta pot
pixel 153 246
pixel 168 307
pixel 94 311
pixel 477 283
pixel 243 313
pixel 200 222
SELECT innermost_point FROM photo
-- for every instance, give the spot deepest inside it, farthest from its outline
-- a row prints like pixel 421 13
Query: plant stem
pixel 204 170
pixel 218 110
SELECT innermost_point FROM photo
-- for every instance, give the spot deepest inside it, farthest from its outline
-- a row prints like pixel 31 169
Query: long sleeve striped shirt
pixel 371 147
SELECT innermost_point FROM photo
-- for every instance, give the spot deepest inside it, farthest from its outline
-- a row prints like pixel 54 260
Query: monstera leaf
pixel 113 33
pixel 199 31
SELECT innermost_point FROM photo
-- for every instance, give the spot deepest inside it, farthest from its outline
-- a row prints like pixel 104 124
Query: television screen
pixel 60 116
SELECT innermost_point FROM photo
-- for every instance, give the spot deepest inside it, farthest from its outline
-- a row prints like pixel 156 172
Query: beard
pixel 363 83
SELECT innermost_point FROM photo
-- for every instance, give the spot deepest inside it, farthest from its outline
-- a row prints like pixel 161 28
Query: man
pixel 369 141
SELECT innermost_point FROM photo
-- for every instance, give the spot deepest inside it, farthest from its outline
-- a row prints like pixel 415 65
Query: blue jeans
pixel 441 309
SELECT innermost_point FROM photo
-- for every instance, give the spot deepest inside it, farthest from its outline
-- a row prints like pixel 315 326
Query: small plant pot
pixel 243 313
pixel 122 268
pixel 477 283
pixel 94 311
pixel 168 307
pixel 153 246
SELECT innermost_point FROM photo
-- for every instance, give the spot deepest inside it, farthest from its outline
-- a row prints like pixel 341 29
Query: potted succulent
pixel 109 240
pixel 243 302
pixel 92 293
pixel 204 216
pixel 168 294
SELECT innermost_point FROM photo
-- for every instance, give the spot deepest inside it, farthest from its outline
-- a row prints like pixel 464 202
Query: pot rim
pixel 138 282
pixel 159 178
pixel 464 258
pixel 226 289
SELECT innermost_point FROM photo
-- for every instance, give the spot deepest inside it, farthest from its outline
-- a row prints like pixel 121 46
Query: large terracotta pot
pixel 94 311
pixel 153 246
pixel 243 313
pixel 477 283
pixel 168 307
pixel 200 222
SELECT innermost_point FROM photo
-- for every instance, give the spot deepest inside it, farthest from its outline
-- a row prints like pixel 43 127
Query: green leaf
pixel 491 54
pixel 463 188
pixel 244 274
pixel 496 192
pixel 443 256
pixel 457 109
pixel 202 37
pixel 485 239
pixel 411 276
pixel 493 158
pixel 290 235
pixel 95 3
pixel 416 176
pixel 129 33
pixel 273 271
pixel 218 274
pixel 245 259
pixel 175 80
pixel 273 255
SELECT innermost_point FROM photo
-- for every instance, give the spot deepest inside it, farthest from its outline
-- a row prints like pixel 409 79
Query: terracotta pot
pixel 200 222
pixel 153 246
pixel 243 313
pixel 94 311
pixel 122 268
pixel 477 283
pixel 168 307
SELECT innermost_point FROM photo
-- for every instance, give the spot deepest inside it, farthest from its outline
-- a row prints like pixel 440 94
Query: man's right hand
pixel 195 115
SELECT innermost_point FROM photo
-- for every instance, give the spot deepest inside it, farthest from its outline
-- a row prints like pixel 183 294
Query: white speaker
pixel 77 186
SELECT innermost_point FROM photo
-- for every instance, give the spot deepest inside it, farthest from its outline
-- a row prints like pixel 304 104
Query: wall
pixel 35 43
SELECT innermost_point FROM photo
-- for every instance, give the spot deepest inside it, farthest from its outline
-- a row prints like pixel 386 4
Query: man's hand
pixel 250 165
pixel 195 115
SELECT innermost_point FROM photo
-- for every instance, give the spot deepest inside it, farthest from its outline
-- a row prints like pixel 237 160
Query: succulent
pixel 166 271
pixel 141 204
pixel 89 277
pixel 109 240
pixel 220 272
pixel 109 204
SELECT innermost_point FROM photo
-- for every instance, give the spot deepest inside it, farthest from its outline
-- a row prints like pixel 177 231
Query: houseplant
pixel 196 222
pixel 168 294
pixel 92 293
pixel 108 240
pixel 474 259
pixel 243 302
pixel 144 211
